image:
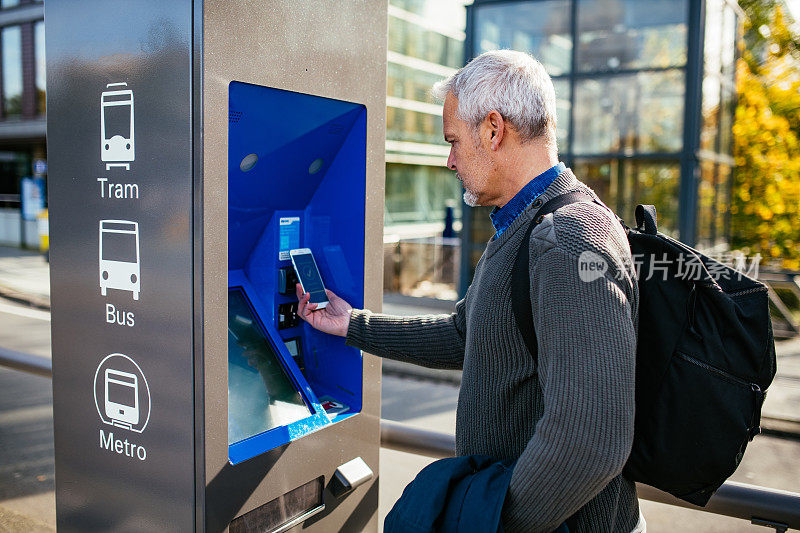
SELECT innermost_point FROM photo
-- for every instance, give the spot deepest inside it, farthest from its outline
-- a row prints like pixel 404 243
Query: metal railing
pixel 784 325
pixel 33 364
pixel 773 508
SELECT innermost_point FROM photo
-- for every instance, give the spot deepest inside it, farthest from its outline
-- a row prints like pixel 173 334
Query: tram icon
pixel 117 146
pixel 119 256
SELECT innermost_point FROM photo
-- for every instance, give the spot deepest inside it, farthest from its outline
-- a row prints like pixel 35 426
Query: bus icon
pixel 122 398
pixel 116 126
pixel 119 256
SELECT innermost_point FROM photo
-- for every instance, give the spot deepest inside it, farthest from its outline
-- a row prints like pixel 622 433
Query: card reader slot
pixel 287 280
pixel 287 315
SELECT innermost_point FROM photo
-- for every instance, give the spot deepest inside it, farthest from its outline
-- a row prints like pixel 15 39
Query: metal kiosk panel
pixel 139 149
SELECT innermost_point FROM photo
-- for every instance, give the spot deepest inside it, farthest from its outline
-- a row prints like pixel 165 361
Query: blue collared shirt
pixel 503 217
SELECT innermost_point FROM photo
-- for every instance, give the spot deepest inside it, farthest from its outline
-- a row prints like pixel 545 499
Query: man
pixel 569 424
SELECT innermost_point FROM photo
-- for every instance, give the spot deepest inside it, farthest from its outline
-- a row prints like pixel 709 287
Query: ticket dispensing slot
pixel 296 179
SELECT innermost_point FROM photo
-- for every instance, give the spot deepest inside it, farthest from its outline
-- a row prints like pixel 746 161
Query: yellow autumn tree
pixel 765 210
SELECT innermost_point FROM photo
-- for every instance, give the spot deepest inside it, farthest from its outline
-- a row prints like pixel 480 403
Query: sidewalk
pixel 28 503
pixel 24 277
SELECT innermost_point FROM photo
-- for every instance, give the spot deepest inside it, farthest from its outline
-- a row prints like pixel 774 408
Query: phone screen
pixel 309 277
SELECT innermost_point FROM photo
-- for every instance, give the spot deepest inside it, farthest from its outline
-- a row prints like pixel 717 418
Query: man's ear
pixel 496 129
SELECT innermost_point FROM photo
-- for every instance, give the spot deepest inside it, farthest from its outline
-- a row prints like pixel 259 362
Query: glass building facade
pixel 645 94
pixel 425 44
pixel 22 112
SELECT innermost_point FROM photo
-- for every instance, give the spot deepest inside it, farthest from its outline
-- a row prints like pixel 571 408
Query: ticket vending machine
pixel 188 395
pixel 291 185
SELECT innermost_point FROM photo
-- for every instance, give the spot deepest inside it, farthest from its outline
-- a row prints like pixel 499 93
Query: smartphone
pixel 308 274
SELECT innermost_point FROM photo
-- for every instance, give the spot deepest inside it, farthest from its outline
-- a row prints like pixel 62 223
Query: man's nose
pixel 451 160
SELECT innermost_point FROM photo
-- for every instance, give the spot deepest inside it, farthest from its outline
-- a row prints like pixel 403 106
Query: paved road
pixel 24 273
pixel 26 445
pixel 24 329
pixel 26 427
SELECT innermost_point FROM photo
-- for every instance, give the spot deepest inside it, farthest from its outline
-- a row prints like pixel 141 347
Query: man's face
pixel 467 157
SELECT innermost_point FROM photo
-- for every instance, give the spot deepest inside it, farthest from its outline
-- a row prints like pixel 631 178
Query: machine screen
pixel 260 394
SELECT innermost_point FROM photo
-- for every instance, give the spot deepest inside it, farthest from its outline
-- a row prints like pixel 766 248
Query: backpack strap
pixel 521 276
pixel 646 219
pixel 521 284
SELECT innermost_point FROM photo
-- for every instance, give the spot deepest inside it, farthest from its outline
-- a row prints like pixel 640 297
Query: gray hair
pixel 512 83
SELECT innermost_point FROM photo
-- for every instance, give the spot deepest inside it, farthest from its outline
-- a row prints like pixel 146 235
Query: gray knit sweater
pixel 571 424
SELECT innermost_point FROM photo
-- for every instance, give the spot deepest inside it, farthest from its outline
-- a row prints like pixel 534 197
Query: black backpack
pixel 704 358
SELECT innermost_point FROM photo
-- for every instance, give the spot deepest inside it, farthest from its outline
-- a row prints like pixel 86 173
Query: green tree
pixel 765 210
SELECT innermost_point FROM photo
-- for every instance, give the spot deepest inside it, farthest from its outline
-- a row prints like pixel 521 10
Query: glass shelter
pixel 645 95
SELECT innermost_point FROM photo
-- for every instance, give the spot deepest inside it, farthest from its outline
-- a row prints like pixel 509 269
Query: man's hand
pixel 333 319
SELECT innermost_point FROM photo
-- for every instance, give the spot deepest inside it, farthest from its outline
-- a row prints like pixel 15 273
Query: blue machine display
pixel 266 396
pixel 296 179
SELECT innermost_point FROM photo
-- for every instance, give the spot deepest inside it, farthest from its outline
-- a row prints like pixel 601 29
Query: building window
pixel 654 183
pixel 563 107
pixel 631 34
pixel 720 38
pixel 713 198
pixel 411 84
pixel 540 28
pixel 709 132
pixel 413 126
pixel 412 40
pixel 41 77
pixel 12 71
pixel 602 175
pixel 705 202
pixel 622 184
pixel 419 194
pixel 630 113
